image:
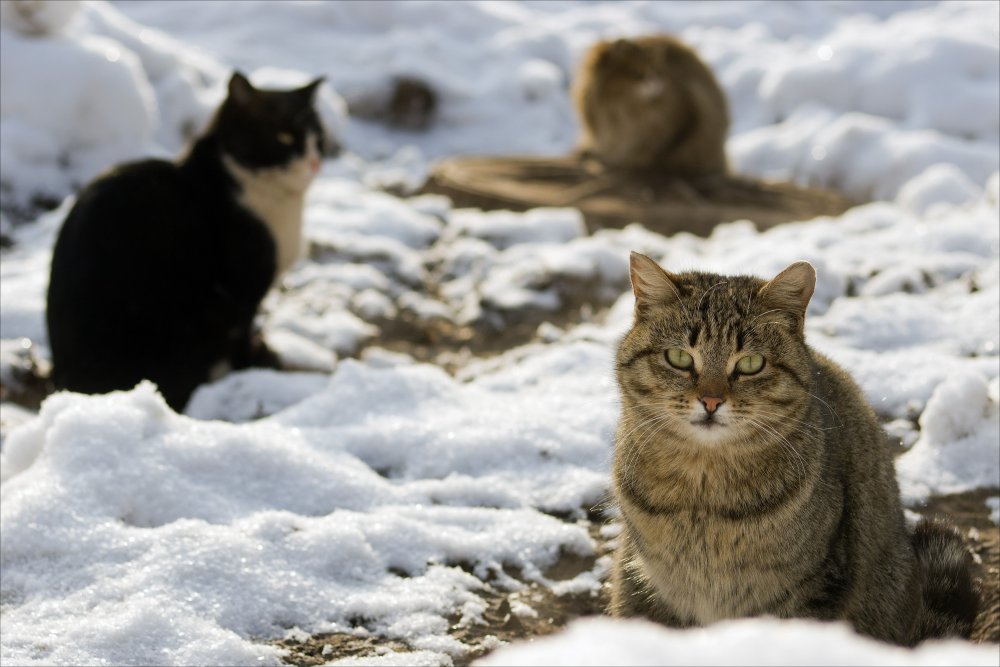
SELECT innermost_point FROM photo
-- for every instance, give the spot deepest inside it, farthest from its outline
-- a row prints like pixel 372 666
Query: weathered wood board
pixel 615 199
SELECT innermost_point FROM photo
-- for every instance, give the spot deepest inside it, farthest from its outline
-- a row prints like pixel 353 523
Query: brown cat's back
pixel 651 103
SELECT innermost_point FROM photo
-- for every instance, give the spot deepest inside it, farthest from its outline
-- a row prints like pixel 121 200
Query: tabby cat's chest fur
pixel 712 571
pixel 717 547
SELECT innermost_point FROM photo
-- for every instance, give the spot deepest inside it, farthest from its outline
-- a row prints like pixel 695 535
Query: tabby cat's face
pixel 276 130
pixel 715 359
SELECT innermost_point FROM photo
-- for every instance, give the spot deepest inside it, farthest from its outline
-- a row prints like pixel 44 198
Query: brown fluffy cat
pixel 651 103
pixel 752 476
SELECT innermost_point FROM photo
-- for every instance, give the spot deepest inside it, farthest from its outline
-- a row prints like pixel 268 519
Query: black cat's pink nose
pixel 711 403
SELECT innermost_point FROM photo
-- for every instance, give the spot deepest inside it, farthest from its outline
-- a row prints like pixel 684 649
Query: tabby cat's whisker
pixel 783 441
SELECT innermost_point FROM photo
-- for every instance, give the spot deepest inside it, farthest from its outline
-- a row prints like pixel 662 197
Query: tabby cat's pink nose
pixel 711 403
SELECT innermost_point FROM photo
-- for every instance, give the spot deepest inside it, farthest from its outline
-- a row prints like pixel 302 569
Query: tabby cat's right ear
pixel 790 291
pixel 651 285
pixel 241 90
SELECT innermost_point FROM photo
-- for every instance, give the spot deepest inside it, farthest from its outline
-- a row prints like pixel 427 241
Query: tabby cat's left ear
pixel 650 283
pixel 791 290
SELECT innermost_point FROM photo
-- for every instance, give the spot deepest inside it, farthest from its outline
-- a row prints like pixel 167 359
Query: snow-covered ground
pixel 595 642
pixel 377 495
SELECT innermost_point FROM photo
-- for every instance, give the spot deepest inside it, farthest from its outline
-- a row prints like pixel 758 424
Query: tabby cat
pixel 754 479
pixel 651 103
pixel 159 268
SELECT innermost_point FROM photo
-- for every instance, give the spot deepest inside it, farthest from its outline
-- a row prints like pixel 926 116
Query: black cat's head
pixel 265 129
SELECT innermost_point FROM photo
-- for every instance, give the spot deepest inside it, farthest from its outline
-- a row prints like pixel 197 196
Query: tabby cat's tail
pixel 950 599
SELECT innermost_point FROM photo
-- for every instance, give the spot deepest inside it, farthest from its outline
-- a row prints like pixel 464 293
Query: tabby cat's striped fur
pixel 762 492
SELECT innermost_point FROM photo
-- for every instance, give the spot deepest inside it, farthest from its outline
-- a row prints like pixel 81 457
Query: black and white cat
pixel 159 268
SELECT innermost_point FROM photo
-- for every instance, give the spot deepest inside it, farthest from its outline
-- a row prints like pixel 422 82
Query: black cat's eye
pixel 679 359
pixel 285 138
pixel 750 364
pixel 304 117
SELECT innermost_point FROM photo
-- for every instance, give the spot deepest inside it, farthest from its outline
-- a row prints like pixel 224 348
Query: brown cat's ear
pixel 617 50
pixel 624 46
pixel 650 283
pixel 241 90
pixel 791 290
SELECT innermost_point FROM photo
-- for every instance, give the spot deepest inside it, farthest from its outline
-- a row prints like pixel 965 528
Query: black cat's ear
pixel 308 92
pixel 241 90
pixel 791 290
pixel 651 284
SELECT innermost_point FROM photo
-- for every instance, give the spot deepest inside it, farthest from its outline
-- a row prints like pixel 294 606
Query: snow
pixel 748 642
pixel 959 443
pixel 367 493
pixel 941 183
pixel 994 504
pixel 347 506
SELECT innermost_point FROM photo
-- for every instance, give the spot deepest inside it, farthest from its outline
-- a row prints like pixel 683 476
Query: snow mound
pixel 746 642
pixel 940 184
pixel 959 443
pixel 71 108
pixel 38 17
pixel 382 501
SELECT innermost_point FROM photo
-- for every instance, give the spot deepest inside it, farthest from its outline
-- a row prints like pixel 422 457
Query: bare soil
pixel 501 622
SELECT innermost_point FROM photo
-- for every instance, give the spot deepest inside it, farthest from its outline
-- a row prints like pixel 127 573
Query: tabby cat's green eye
pixel 679 359
pixel 750 364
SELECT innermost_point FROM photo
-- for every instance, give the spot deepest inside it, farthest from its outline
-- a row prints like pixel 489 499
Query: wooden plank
pixel 615 199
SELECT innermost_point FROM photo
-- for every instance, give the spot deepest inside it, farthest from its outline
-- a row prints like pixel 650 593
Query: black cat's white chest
pixel 276 196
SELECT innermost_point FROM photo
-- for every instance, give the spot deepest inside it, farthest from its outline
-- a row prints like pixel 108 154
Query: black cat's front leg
pixel 252 351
